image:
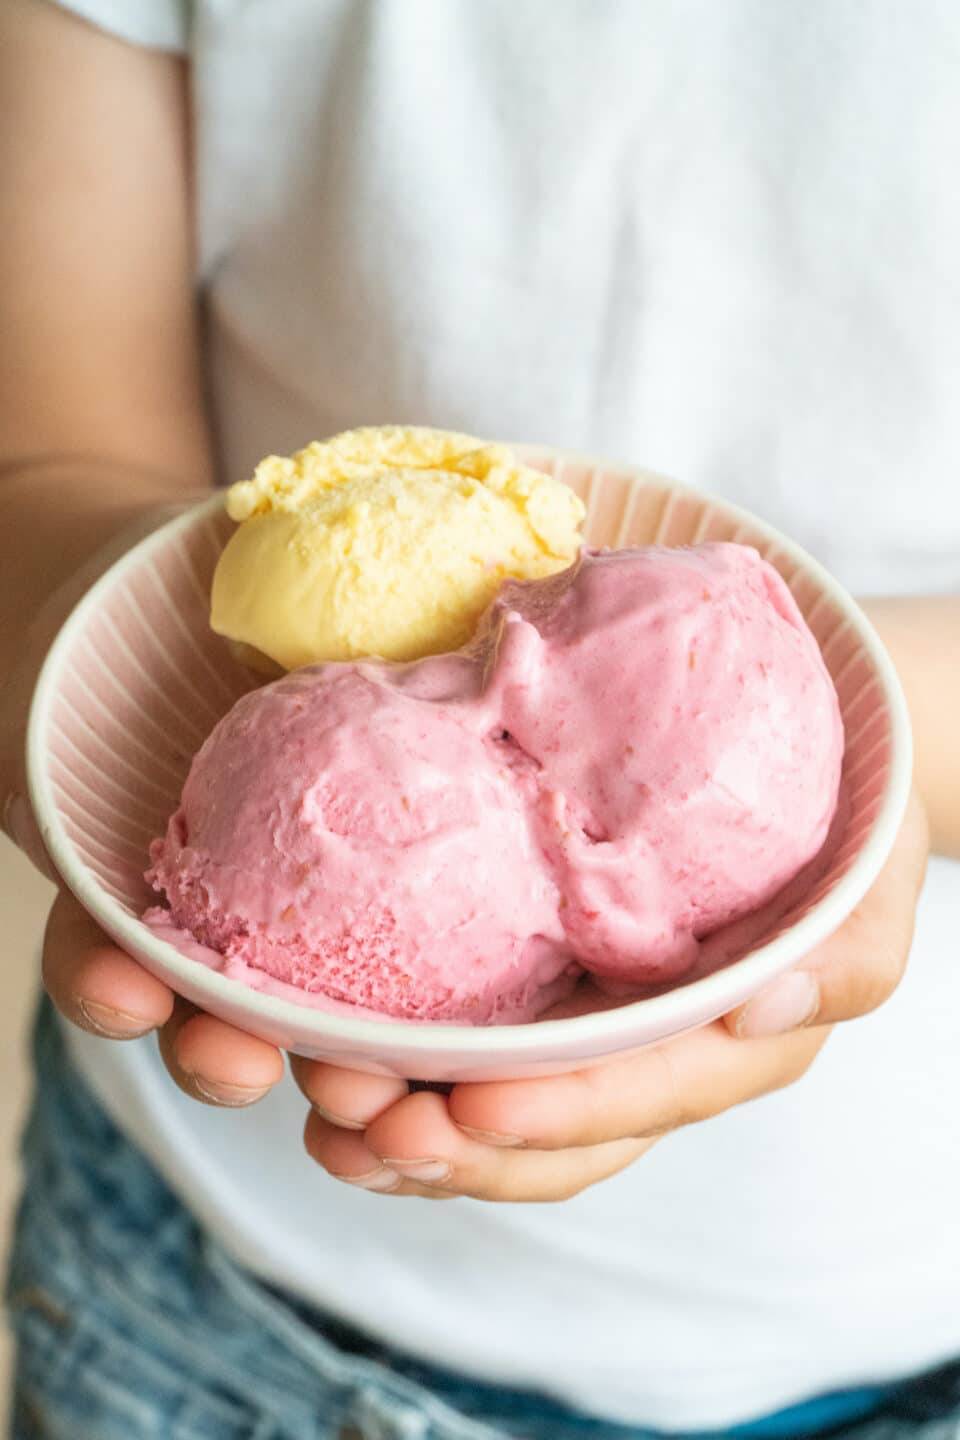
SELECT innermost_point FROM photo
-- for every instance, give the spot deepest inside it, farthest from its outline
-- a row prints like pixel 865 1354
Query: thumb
pixel 861 964
pixel 21 827
pixel 16 813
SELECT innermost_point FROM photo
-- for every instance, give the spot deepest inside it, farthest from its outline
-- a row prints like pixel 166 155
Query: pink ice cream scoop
pixel 630 755
pixel 342 834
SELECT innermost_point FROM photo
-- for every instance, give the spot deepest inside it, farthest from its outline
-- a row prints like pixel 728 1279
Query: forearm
pixel 59 515
pixel 922 634
pixel 101 399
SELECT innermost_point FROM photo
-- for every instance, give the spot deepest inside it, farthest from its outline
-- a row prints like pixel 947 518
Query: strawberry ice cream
pixel 630 755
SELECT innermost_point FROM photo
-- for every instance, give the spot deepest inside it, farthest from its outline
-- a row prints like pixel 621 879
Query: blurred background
pixel 24 900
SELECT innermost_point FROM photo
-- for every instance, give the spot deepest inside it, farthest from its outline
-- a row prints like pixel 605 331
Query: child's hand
pixel 548 1139
pixel 103 990
pixel 91 981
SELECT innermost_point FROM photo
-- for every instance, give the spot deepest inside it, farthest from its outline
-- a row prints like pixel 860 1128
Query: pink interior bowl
pixel 136 680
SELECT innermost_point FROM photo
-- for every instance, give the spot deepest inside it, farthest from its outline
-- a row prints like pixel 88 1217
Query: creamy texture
pixel 387 541
pixel 629 756
pixel 343 834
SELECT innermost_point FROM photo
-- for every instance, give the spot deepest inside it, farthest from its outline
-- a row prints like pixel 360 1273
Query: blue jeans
pixel 131 1322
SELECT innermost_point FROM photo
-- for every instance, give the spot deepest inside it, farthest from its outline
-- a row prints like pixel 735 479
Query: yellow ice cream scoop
pixel 388 541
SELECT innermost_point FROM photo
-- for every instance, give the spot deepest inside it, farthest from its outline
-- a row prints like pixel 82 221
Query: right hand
pixel 102 417
pixel 92 982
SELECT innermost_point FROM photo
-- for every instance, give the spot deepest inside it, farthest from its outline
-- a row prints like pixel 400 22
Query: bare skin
pixel 102 423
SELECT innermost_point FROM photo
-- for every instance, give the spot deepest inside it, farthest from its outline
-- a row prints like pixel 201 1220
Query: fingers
pixel 93 983
pixel 415 1147
pixel 18 823
pixel 16 816
pixel 214 1062
pixel 105 991
pixel 680 1082
pixel 547 1139
pixel 348 1098
pixel 345 1156
pixel 860 966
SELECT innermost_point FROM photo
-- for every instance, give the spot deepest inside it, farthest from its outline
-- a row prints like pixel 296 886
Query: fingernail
pixel 340 1120
pixel 233 1096
pixel 788 1004
pixel 112 1024
pixel 431 1172
pixel 492 1137
pixel 382 1178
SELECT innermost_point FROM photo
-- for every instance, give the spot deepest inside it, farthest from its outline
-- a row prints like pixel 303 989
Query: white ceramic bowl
pixel 136 680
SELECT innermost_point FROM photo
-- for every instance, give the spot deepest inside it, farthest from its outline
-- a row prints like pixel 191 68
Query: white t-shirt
pixel 722 238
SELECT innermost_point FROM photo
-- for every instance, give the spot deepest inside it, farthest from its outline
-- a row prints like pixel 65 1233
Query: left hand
pixel 548 1139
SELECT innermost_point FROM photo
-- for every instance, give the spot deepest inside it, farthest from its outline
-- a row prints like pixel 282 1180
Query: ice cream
pixel 386 542
pixel 629 755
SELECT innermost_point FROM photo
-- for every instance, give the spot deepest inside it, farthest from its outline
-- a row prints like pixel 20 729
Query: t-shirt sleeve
pixel 160 24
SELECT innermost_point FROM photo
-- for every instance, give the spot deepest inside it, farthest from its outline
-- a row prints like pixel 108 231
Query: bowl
pixel 136 679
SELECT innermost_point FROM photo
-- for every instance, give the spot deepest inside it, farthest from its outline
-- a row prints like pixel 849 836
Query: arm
pixel 922 634
pixel 101 421
pixel 101 415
